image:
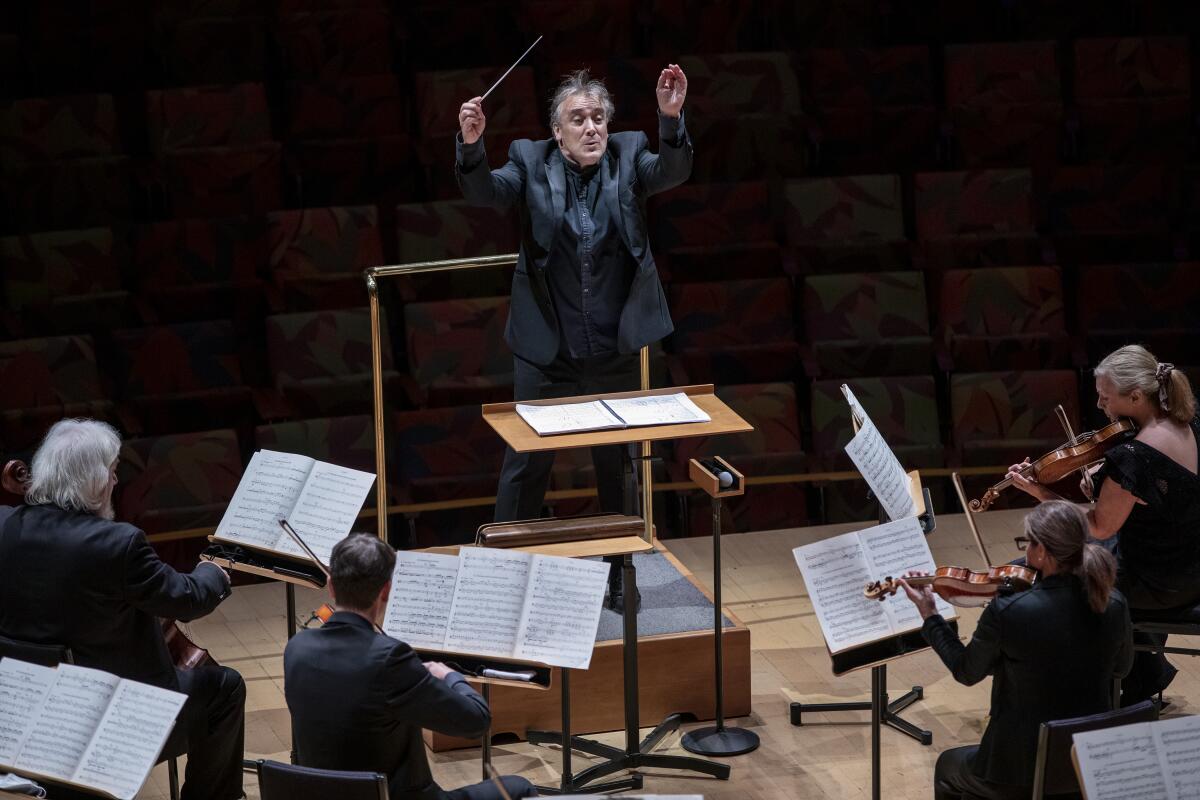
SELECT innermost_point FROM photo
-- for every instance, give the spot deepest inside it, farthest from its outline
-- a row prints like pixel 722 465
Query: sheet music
pixel 856 410
pixel 892 550
pixel 568 417
pixel 661 409
pixel 68 717
pixel 835 571
pixel 883 473
pixel 562 611
pixel 1121 764
pixel 326 509
pixel 418 610
pixel 1178 742
pixel 23 688
pixel 267 493
pixel 488 599
pixel 129 738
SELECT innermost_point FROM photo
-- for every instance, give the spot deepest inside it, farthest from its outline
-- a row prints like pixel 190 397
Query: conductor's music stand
pixel 522 438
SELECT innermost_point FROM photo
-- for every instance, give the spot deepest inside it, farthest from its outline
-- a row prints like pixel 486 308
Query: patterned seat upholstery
pixel 1156 305
pixel 362 106
pixel 452 229
pixel 316 256
pixel 335 43
pixel 56 195
pixel 582 29
pixel 58 128
pixel 223 181
pixel 335 172
pixel 198 50
pixel 456 351
pixel 734 331
pixel 849 224
pixel 867 324
pixel 977 218
pixel 208 116
pixel 1101 215
pixel 346 441
pixel 1004 318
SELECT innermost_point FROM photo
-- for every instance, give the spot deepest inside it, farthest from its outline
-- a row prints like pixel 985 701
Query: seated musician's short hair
pixel 360 566
pixel 71 466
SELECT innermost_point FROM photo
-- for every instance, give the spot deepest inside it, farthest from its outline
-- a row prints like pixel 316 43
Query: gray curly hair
pixel 580 82
pixel 70 467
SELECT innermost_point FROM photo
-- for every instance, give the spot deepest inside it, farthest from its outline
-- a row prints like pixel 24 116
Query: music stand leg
pixel 891 711
pixel 486 745
pixel 718 740
pixel 290 591
pixel 878 709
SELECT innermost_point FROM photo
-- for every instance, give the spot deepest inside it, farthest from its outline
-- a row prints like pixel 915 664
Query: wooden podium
pixel 522 438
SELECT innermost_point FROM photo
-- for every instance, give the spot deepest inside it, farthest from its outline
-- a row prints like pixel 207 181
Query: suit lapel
pixel 610 186
pixel 558 187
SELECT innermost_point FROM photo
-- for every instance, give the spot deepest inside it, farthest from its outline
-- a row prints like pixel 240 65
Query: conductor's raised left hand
pixel 671 90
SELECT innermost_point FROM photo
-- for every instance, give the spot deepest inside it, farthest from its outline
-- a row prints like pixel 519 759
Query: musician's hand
pixel 671 90
pixel 921 596
pixel 1029 486
pixel 472 120
pixel 437 669
pixel 224 572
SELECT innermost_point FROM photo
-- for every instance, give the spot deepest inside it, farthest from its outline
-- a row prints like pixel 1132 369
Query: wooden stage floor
pixel 828 757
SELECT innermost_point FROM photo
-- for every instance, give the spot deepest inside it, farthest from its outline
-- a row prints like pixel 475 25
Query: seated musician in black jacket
pixel 1052 652
pixel 70 575
pixel 359 698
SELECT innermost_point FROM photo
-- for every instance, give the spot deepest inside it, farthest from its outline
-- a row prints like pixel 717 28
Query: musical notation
pixel 418 610
pixel 485 614
pixel 1146 761
pixel 562 611
pixel 882 472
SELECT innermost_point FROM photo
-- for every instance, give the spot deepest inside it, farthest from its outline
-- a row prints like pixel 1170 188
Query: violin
pixel 960 586
pixel 185 653
pixel 1079 452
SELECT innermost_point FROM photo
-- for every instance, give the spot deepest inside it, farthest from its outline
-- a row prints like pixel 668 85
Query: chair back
pixel 47 655
pixel 1053 772
pixel 278 781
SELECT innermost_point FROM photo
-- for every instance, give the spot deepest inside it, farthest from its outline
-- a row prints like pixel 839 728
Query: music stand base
pixel 720 741
pixel 891 716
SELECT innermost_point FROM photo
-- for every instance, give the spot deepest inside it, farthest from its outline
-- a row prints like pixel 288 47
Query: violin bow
pixel 1066 423
pixel 290 531
pixel 962 498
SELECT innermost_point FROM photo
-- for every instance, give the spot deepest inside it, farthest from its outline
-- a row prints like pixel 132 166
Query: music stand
pixel 520 437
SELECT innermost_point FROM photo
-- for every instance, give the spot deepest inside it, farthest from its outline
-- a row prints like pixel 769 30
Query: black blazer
pixel 535 180
pixel 359 700
pixel 97 586
pixel 1050 657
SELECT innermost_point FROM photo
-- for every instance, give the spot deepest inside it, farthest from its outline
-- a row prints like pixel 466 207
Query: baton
pixel 510 69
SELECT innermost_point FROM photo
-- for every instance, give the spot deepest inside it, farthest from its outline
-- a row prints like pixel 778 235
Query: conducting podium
pixel 620 418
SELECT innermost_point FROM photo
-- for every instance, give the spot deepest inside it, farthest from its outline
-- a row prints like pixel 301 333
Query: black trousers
pixel 1151 672
pixel 516 786
pixel 211 729
pixel 953 779
pixel 525 476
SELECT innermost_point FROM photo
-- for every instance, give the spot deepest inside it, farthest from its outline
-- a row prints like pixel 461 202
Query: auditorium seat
pixel 1004 318
pixel 197 49
pixel 1156 305
pixel 353 171
pixel 874 109
pixel 320 362
pixel 77 193
pixel 580 30
pixel 457 353
pixel 714 26
pixel 772 448
pixel 359 106
pixel 977 218
pixel 168 484
pixel 184 377
pixel 867 324
pixel 330 43
pixel 714 231
pixel 432 44
pixel 39 129
pixel 316 256
pixel 208 116
pixel 1100 215
pixel 846 224
pixel 1005 103
pixel 223 181
pixel 734 332
pixel 45 380
pixel 448 229
pixel 905 411
pixel 1133 99
pixel 64 282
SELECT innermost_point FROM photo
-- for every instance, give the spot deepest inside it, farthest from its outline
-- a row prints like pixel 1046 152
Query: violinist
pixel 1052 652
pixel 70 575
pixel 1147 500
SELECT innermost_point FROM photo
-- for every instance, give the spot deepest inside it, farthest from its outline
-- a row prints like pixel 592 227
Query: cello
pixel 185 653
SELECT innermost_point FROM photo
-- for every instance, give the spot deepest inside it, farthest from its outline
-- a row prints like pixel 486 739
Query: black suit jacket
pixel 96 586
pixel 1050 657
pixel 359 700
pixel 534 180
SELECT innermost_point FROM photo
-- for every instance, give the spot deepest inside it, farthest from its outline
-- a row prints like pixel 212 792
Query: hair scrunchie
pixel 1162 374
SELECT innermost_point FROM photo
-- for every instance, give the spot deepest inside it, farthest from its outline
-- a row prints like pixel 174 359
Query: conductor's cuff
pixel 469 156
pixel 671 130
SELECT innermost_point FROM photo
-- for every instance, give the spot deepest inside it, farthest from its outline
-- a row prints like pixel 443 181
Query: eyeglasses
pixel 1023 542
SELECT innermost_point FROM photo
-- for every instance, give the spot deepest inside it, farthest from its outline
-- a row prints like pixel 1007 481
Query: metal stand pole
pixel 290 591
pixel 718 740
pixel 486 744
pixel 878 709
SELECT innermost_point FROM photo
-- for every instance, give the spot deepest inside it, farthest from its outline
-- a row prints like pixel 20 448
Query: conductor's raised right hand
pixel 471 120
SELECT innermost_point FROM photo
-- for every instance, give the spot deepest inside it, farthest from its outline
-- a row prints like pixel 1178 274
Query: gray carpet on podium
pixel 670 603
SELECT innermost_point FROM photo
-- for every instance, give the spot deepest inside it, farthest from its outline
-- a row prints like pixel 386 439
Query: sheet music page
pixel 568 417
pixel 659 409
pixel 883 473
pixel 1121 764
pixel 268 490
pixel 1178 743
pixel 23 688
pixel 892 550
pixel 129 738
pixel 856 410
pixel 418 609
pixel 562 611
pixel 835 572
pixel 68 718
pixel 326 509
pixel 486 612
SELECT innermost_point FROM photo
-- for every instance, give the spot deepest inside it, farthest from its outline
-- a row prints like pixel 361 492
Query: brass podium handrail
pixel 372 275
